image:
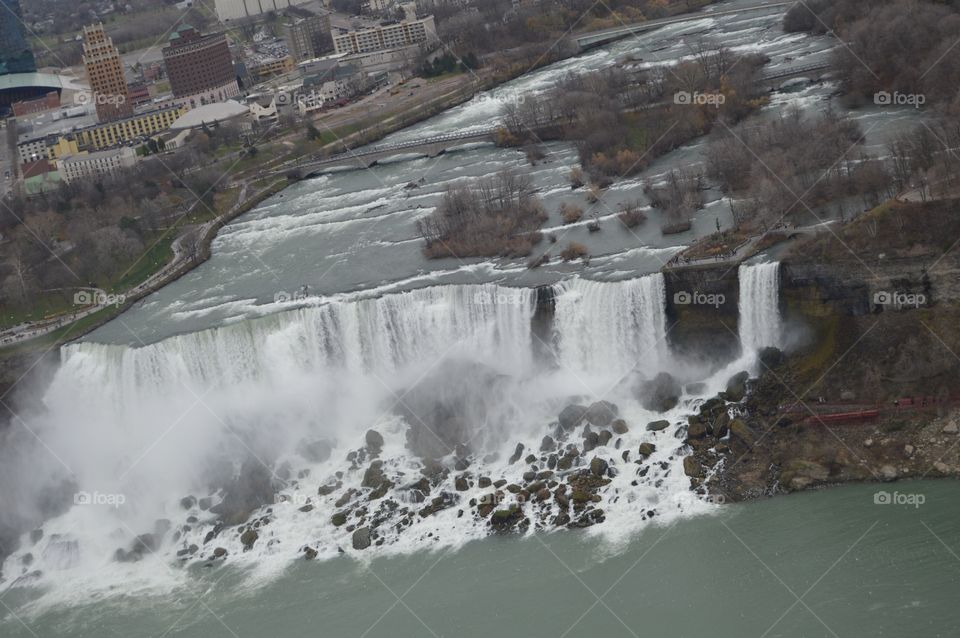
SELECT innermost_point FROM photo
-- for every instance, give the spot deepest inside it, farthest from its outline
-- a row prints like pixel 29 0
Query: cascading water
pixel 612 328
pixel 760 322
pixel 157 423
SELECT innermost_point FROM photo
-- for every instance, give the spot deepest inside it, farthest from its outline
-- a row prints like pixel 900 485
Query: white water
pixel 156 423
pixel 760 321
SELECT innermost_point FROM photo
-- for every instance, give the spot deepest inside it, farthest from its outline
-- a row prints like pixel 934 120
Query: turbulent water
pixel 317 319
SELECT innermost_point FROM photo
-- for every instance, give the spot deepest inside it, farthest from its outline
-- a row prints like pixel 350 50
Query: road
pixel 7 162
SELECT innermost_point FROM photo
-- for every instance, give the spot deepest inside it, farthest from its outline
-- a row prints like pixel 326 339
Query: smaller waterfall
pixel 760 322
pixel 611 328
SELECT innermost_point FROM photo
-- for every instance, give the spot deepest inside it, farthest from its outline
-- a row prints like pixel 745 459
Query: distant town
pixel 254 64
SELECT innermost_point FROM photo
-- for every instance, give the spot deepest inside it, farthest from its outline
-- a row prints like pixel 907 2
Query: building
pixel 200 67
pixel 307 33
pixel 211 115
pixel 239 9
pixel 15 53
pixel 267 68
pixel 105 73
pixel 87 165
pixel 48 102
pixel 386 36
pixel 136 127
pixel 328 86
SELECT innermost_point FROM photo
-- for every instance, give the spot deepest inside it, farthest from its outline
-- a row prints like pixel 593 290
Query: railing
pixel 794 71
pixel 373 150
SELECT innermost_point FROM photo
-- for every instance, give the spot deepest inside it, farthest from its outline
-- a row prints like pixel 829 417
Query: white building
pixel 74 167
pixel 390 36
pixel 238 9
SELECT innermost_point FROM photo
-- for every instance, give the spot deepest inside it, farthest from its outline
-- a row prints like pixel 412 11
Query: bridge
pixel 368 156
pixel 594 39
pixel 792 72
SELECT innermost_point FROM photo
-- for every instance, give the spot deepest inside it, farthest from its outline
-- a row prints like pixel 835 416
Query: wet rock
pixel 361 538
pixel 373 476
pixel 306 508
pixel 499 483
pixel 620 427
pixel 603 437
pixel 737 386
pixel 484 481
pixel 548 444
pixel 248 538
pixel 601 413
pixel 741 431
pixel 461 463
pixel 250 490
pixel 517 453
pixel 36 535
pixel 552 461
pixel 695 388
pixel 380 491
pixel 529 476
pixel 338 519
pixel 505 519
pixel 696 431
pixel 461 484
pixel 692 467
pixel 770 357
pixel 326 490
pixel 345 498
pixel 571 416
pixel 316 451
pixel 657 426
pixel 309 553
pixel 598 467
pixel 660 394
pixel 439 503
pixel 188 502
pixel 646 449
pixel 205 503
pixel 590 441
pixel 220 552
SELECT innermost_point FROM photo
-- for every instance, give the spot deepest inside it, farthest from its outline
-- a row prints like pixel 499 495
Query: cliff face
pixel 702 312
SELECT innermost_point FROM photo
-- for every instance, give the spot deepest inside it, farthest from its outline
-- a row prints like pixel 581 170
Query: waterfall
pixel 760 322
pixel 611 328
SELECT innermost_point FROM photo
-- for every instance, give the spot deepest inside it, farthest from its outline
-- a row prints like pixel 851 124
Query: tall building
pixel 200 67
pixel 239 9
pixel 307 33
pixel 105 72
pixel 386 36
pixel 15 53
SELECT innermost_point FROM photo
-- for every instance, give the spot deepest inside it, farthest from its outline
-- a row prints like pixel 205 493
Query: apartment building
pixel 386 36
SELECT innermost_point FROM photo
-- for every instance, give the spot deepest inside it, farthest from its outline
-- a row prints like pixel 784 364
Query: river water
pixel 317 315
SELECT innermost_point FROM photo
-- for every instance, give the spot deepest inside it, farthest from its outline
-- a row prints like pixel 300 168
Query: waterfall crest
pixel 760 321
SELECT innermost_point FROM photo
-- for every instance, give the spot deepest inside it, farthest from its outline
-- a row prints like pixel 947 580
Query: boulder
pixel 801 473
pixel 888 473
pixel 248 538
pixel 737 386
pixel 249 490
pixel 309 553
pixel 770 357
pixel 571 416
pixel 590 441
pixel 373 476
pixel 461 484
pixel 601 413
pixel 361 538
pixel 696 431
pixel 692 467
pixel 219 552
pixel 598 467
pixel 374 440
pixel 646 449
pixel 338 519
pixel 604 437
pixel 517 453
pixel 660 394
pixel 695 389
pixel 188 502
pixel 620 427
pixel 656 426
pixel 951 428
pixel 547 444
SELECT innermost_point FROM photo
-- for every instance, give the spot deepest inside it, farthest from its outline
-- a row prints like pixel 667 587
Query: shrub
pixel 570 213
pixel 576 177
pixel 574 250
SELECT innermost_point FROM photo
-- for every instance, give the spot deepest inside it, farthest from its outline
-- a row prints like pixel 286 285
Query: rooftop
pixel 208 114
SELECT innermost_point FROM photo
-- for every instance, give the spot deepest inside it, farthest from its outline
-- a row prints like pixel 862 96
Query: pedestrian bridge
pixel 599 38
pixel 369 156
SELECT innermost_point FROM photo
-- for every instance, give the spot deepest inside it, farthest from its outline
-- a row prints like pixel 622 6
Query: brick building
pixel 200 67
pixel 105 73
